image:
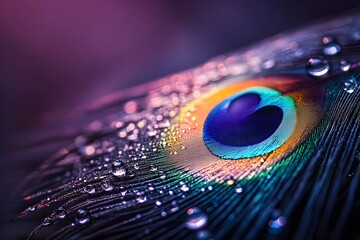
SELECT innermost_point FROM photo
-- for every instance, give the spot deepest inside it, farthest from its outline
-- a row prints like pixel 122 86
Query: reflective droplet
pixel 80 141
pixel 174 208
pixel 276 222
pixel 152 168
pixel 230 180
pixel 47 221
pixel 106 185
pixel 270 63
pixel 158 203
pixel 123 190
pixel 151 186
pixel 118 169
pixel 32 208
pixel 196 219
pixel 136 166
pixel 204 235
pixel 89 189
pixel 82 216
pixel 162 175
pixel 344 65
pixel 140 197
pixel 350 85
pixel 317 66
pixel 331 47
pixel 89 150
pixel 163 213
pixel 184 187
pixel 60 213
pixel 239 189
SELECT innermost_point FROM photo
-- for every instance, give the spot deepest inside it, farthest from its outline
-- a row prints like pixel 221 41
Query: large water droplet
pixel 331 47
pixel 196 219
pixel 317 66
pixel 82 216
pixel 118 169
pixel 350 85
pixel 344 65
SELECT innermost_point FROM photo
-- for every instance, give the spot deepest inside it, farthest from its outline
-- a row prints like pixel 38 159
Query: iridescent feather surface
pixel 260 143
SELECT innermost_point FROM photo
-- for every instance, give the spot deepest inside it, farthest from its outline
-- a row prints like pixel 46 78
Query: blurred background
pixel 59 54
pixel 56 55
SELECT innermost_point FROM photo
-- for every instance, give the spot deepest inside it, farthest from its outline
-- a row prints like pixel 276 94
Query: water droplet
pixel 350 85
pixel 136 166
pixel 162 175
pixel 123 190
pixel 153 168
pixel 132 137
pixel 331 47
pixel 47 221
pixel 276 222
pixel 152 133
pixel 140 197
pixel 89 189
pixel 230 180
pixel 196 219
pixel 82 216
pixel 89 150
pixel 32 208
pixel 118 169
pixel 163 213
pixel 107 185
pixel 204 235
pixel 151 186
pixel 158 203
pixel 80 141
pixel 344 65
pixel 317 66
pixel 130 107
pixel 270 63
pixel 60 213
pixel 239 189
pixel 184 187
pixel 174 208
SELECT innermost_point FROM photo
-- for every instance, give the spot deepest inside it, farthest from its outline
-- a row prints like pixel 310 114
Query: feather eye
pixel 246 123
pixel 260 144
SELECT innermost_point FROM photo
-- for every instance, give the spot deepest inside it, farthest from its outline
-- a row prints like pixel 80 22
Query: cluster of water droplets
pixel 320 66
pixel 121 156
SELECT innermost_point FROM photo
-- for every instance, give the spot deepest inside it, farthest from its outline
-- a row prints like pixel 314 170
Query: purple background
pixel 55 55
